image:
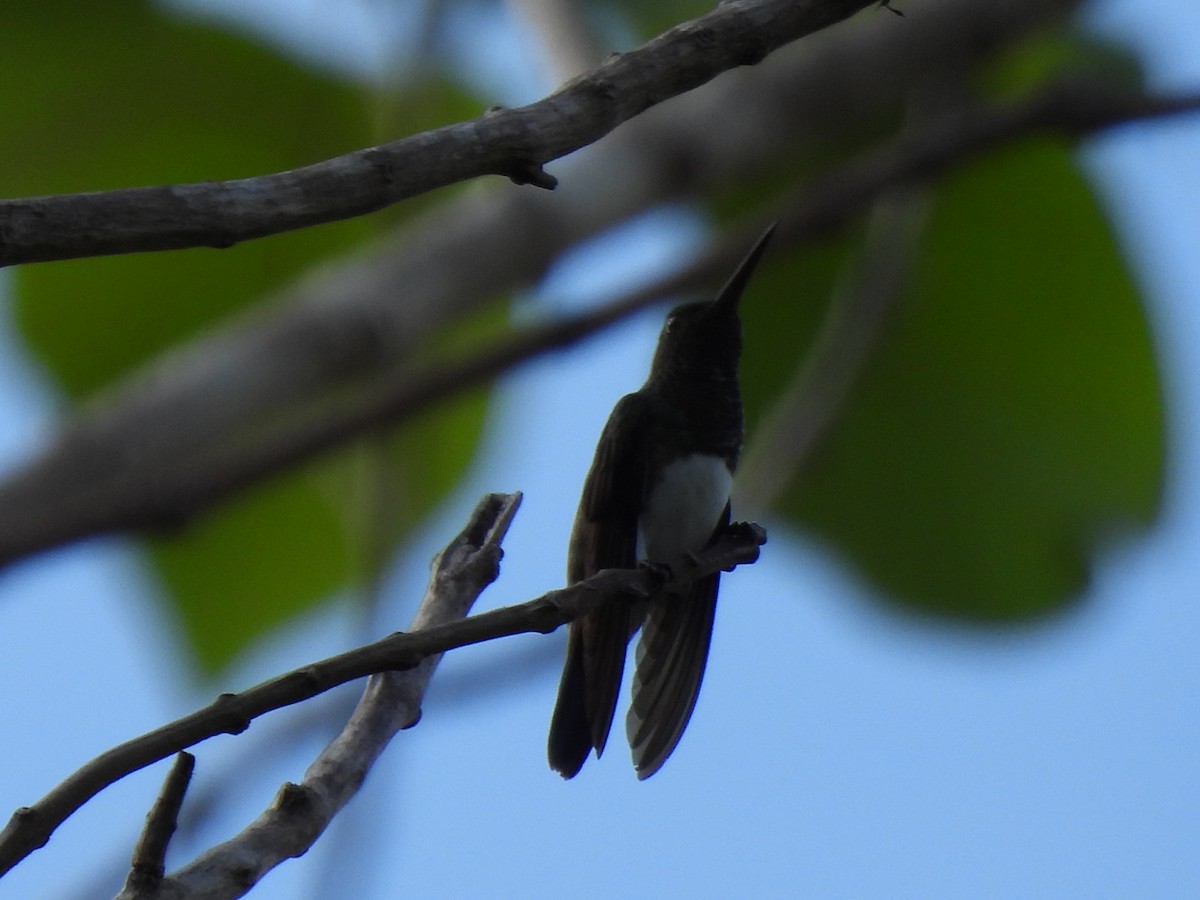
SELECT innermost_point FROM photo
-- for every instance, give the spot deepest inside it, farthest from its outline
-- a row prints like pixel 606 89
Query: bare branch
pixel 349 322
pixel 515 143
pixel 346 324
pixel 150 854
pixel 391 701
pixel 99 481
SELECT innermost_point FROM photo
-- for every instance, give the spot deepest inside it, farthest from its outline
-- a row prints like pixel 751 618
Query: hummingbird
pixel 658 488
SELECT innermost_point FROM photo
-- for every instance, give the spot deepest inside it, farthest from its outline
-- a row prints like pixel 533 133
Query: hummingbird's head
pixel 699 338
pixel 699 335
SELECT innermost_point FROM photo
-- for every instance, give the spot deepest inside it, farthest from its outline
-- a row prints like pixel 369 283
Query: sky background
pixel 839 749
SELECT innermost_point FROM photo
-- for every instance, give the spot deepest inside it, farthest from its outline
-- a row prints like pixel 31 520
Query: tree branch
pixel 352 321
pixel 112 478
pixel 345 324
pixel 514 142
pixel 149 856
pixel 392 700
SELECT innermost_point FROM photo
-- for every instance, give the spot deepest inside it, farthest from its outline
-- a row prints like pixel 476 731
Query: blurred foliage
pixel 649 19
pixel 1011 419
pixel 384 485
pixel 1013 416
pixel 120 94
pixel 1026 65
pixel 242 569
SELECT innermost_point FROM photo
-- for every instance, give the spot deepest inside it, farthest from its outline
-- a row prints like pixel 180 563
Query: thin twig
pixel 149 856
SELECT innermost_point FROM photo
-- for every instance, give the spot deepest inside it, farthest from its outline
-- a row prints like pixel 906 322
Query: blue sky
pixel 839 750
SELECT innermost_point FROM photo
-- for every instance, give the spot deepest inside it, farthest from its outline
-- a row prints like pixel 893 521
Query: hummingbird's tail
pixel 570 737
pixel 671 657
pixel 587 694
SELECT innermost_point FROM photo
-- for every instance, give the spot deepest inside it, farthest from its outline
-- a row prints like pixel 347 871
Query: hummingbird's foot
pixel 747 531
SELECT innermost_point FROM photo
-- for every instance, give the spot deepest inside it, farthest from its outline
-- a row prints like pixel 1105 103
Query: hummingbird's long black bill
pixel 732 292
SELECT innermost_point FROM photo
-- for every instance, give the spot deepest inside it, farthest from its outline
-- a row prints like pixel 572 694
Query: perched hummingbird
pixel 658 487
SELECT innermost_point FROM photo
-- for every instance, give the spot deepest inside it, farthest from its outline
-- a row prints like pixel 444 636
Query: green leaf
pixel 158 100
pixel 788 301
pixel 240 571
pixel 1013 417
pixel 385 484
pixel 161 100
pixel 1034 62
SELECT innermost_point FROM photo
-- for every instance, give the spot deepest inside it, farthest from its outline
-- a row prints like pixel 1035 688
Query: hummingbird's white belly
pixel 684 507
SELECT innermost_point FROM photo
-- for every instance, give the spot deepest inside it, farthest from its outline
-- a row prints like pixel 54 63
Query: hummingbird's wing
pixel 604 537
pixel 671 656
